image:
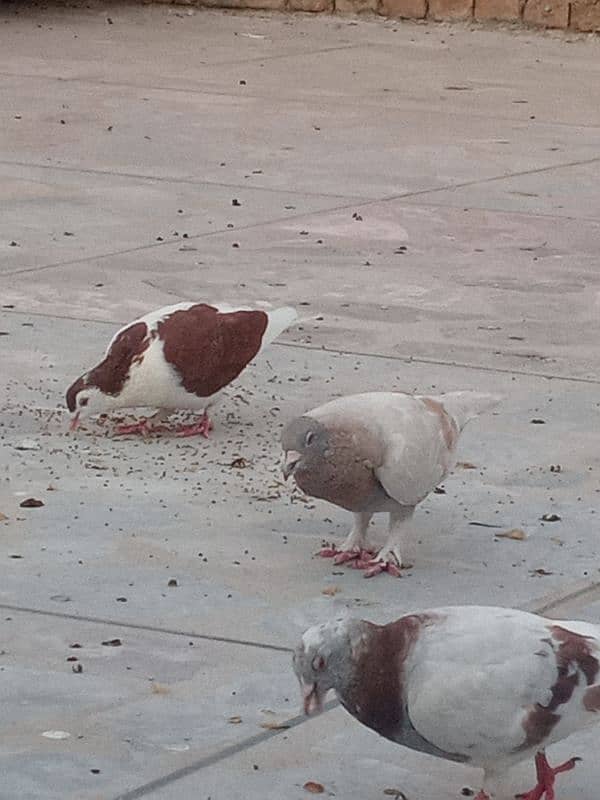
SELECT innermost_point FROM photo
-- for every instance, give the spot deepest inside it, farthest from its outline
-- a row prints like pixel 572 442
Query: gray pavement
pixel 428 196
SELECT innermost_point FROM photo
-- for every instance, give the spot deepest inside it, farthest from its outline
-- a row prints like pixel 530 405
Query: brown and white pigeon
pixel 177 357
pixel 379 451
pixel 480 685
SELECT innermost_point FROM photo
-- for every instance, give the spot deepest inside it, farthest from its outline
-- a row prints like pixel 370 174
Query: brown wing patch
pixel 110 375
pixel 574 656
pixel 578 650
pixel 449 428
pixel 209 348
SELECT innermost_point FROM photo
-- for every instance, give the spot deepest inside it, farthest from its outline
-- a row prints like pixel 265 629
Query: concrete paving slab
pixel 463 285
pixel 568 191
pixel 54 216
pixel 132 713
pixel 426 63
pixel 408 150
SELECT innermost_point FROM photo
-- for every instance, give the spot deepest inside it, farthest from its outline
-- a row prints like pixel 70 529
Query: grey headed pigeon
pixel 380 451
pixel 480 685
pixel 177 357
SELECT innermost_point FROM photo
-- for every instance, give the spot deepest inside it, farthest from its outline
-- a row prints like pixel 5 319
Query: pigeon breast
pixel 344 473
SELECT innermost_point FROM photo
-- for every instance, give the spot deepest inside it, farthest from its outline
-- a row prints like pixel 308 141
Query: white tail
pixel 463 406
pixel 279 320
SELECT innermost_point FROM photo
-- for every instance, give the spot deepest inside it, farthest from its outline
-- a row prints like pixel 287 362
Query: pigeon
pixel 177 357
pixel 379 451
pixel 481 685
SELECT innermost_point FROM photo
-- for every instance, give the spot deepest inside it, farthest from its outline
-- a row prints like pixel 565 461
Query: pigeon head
pixel 322 660
pixel 86 400
pixel 305 441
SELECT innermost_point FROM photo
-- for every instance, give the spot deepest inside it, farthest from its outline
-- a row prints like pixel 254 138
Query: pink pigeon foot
pixel 373 568
pixel 356 555
pixel 142 427
pixel 344 556
pixel 482 796
pixel 545 777
pixel 360 559
pixel 202 427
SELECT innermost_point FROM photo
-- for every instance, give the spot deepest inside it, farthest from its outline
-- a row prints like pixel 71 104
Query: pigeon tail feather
pixel 466 405
pixel 279 320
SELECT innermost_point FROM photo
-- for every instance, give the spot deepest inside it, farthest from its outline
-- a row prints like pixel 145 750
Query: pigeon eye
pixel 318 663
pixel 83 401
pixel 309 437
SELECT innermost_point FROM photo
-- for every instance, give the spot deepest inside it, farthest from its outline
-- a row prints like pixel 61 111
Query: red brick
pixel 548 13
pixel 451 9
pixel 355 6
pixel 273 5
pixel 407 9
pixel 585 15
pixel 498 9
pixel 311 5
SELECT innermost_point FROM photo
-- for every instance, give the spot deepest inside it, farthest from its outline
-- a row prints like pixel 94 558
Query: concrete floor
pixel 430 196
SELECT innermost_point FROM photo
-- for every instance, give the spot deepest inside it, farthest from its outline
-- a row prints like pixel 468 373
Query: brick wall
pixel 577 15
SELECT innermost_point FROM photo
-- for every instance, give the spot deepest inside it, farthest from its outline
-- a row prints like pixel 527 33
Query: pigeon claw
pixel 328 551
pixel 343 556
pixel 202 427
pixel 546 776
pixel 358 558
pixel 373 568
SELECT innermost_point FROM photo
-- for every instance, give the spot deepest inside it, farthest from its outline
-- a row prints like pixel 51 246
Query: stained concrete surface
pixel 428 196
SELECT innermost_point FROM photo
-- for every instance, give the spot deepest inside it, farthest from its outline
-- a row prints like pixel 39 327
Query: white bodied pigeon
pixel 178 357
pixel 380 451
pixel 480 685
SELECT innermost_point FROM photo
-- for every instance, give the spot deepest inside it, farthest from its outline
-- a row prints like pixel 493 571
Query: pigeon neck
pixel 374 691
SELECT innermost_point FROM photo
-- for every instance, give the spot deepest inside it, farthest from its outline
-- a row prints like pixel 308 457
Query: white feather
pixel 474 674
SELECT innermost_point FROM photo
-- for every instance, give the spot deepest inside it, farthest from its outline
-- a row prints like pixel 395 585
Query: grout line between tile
pixel 191 181
pixel 444 363
pixel 215 758
pixel 266 223
pixel 149 628
pixel 405 358
pixel 312 98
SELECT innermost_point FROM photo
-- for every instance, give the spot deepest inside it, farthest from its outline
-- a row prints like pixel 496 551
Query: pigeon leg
pixel 203 427
pixel 546 776
pixel 482 796
pixel 144 426
pixel 140 427
pixel 389 559
pixel 353 546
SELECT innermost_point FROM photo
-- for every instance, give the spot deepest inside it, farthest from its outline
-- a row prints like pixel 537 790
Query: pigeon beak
pixel 292 457
pixel 312 699
pixel 74 422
